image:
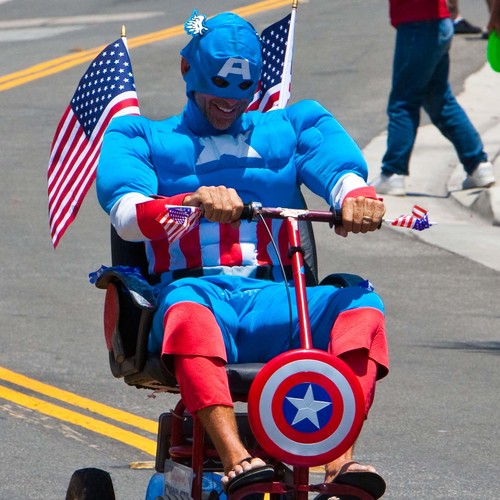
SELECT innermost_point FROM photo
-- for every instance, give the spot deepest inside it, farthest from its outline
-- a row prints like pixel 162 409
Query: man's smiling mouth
pixel 224 110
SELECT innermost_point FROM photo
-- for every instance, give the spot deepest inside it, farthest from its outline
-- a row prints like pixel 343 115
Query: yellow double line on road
pixel 66 62
pixel 79 419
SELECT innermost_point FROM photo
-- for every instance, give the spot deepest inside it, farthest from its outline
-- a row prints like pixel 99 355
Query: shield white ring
pixel 307 449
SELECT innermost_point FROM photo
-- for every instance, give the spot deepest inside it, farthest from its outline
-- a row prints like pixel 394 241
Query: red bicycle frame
pixel 299 363
pixel 255 211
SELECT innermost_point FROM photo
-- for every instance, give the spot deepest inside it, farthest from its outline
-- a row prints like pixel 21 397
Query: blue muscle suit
pixel 264 157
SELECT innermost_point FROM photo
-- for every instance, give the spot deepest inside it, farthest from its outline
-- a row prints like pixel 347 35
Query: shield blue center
pixel 307 407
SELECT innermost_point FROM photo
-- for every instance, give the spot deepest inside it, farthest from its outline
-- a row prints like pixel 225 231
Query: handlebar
pixel 254 210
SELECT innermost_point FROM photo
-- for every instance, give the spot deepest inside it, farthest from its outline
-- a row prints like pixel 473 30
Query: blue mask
pixel 224 56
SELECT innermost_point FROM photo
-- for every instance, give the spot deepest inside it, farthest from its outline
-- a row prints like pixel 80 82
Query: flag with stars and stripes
pixel 106 90
pixel 274 84
pixel 179 220
pixel 418 219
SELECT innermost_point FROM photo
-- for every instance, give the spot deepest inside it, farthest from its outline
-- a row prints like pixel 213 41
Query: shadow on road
pixel 487 346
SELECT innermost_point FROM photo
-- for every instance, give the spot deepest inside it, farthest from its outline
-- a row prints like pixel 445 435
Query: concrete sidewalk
pixel 468 221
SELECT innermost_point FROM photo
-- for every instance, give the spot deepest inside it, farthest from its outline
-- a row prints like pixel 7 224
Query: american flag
pixel 274 81
pixel 179 220
pixel 106 90
pixel 418 219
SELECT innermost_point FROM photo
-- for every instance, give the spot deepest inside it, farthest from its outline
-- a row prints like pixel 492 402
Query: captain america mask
pixel 224 56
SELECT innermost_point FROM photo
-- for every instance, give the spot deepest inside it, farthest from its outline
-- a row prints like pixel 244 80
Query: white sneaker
pixel 482 177
pixel 393 184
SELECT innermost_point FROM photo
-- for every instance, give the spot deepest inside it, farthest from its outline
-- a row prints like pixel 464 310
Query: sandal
pixel 371 482
pixel 260 474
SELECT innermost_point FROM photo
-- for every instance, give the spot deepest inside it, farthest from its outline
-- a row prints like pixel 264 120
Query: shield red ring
pixel 305 407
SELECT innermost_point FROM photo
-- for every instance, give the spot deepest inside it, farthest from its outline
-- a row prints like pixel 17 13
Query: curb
pixel 483 201
pixel 481 91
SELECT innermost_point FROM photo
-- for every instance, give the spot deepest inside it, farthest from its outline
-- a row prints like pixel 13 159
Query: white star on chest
pixel 307 407
pixel 217 146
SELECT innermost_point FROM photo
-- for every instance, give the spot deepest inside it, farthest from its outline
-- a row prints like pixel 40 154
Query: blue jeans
pixel 420 79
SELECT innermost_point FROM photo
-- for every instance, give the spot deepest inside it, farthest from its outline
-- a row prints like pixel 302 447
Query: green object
pixel 493 51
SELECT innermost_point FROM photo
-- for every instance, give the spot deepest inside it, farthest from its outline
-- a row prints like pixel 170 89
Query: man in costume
pixel 221 300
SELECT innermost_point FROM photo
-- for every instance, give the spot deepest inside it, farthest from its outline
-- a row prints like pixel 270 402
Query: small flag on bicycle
pixel 179 220
pixel 418 220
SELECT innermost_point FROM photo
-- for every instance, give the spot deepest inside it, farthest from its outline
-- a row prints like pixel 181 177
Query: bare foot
pixel 335 468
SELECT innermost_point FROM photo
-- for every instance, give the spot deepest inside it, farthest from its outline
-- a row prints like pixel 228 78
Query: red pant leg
pixel 358 338
pixel 202 382
pixel 194 351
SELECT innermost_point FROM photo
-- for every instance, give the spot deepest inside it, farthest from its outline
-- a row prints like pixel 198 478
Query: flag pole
pixel 287 65
pixel 124 37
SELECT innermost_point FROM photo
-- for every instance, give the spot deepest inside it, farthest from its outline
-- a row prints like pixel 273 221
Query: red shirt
pixel 407 11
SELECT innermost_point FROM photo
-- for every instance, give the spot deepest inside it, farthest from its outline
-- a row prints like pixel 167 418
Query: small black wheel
pixel 90 484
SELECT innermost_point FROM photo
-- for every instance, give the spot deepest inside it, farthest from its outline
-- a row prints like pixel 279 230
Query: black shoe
pixel 463 27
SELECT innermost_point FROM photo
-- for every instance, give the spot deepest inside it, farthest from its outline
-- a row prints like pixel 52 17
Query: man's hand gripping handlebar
pixel 359 214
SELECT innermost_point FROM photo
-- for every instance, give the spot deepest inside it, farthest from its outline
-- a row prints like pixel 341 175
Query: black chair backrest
pixel 128 253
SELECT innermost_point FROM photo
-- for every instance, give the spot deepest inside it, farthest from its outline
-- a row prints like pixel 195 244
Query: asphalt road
pixel 433 431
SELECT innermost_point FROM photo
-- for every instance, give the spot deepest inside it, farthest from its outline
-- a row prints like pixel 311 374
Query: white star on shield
pixel 307 407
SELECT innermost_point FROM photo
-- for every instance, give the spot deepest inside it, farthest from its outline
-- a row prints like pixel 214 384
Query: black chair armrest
pixel 128 312
pixel 345 280
pixel 143 294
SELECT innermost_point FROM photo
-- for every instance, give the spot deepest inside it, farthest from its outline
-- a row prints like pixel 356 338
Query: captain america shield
pixel 305 407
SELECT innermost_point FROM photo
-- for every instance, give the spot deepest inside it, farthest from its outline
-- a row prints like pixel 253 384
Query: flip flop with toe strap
pixel 260 474
pixel 371 482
